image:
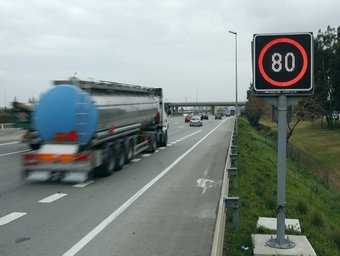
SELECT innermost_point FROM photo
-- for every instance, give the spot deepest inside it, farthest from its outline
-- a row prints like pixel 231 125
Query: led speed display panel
pixel 283 63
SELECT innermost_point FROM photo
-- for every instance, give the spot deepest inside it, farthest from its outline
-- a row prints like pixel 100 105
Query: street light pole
pixel 236 102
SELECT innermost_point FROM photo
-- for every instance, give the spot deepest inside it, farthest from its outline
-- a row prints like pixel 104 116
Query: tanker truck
pixel 93 128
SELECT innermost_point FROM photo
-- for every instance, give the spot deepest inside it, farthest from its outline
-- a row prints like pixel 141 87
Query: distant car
pixel 218 116
pixel 204 116
pixel 196 121
pixel 187 118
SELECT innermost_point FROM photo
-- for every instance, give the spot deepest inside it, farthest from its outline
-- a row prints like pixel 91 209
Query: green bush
pixel 302 206
pixel 317 219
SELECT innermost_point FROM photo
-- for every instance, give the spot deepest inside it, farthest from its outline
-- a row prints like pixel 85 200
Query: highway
pixel 162 203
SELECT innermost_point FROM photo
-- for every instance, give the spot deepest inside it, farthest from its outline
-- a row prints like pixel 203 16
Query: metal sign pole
pixel 280 241
pixel 281 167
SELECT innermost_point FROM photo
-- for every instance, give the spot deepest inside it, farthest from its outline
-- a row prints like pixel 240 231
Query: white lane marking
pixel 135 160
pixel 169 145
pixel 157 151
pixel 205 184
pixel 174 142
pixel 183 138
pixel 9 143
pixel 206 173
pixel 13 153
pixel 52 198
pixel 146 155
pixel 83 184
pixel 10 217
pixel 178 140
pixel 94 232
pixel 161 148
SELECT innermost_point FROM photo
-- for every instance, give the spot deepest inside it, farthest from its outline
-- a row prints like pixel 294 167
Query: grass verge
pixel 317 208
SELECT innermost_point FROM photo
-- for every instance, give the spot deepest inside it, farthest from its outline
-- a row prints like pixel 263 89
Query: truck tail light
pixel 47 157
pixel 73 157
pixel 31 159
pixel 83 157
pixel 26 136
pixel 67 158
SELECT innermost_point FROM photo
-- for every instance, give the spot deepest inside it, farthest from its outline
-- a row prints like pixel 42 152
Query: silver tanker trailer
pixel 93 128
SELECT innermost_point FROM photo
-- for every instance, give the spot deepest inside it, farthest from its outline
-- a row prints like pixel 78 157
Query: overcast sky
pixel 182 46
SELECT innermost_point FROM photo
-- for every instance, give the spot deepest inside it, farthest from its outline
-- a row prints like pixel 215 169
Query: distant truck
pixel 22 115
pixel 93 128
pixel 232 110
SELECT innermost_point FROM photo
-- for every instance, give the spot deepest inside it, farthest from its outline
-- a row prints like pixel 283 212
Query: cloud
pixel 179 45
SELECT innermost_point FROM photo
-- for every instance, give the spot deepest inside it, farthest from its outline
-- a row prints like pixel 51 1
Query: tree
pixel 308 109
pixel 327 72
pixel 255 108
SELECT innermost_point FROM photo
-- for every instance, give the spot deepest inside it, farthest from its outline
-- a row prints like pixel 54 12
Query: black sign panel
pixel 283 63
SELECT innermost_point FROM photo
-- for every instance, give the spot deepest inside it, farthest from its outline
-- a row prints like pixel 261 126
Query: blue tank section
pixel 63 109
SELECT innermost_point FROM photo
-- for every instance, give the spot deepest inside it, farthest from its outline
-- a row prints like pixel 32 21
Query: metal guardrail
pixel 5 126
pixel 218 241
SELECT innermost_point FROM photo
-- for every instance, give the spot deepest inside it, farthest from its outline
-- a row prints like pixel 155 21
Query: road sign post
pixel 283 74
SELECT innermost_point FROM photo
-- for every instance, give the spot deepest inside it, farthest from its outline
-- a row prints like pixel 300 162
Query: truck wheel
pixel 129 152
pixel 109 163
pixel 35 146
pixel 152 143
pixel 164 140
pixel 120 157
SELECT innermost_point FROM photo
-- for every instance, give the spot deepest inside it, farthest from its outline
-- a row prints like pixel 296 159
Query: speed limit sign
pixel 283 63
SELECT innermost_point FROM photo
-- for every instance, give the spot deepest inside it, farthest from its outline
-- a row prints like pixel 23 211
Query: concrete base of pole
pixel 302 246
pixel 270 223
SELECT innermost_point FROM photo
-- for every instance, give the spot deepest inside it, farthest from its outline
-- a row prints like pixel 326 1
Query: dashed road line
pixel 13 153
pixel 52 198
pixel 83 184
pixel 9 143
pixel 161 148
pixel 157 151
pixel 10 217
pixel 146 155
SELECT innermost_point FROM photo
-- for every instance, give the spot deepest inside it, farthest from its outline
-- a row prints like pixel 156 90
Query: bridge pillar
pixel 212 110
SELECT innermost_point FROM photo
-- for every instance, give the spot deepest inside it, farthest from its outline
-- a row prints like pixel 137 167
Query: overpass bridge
pixel 174 106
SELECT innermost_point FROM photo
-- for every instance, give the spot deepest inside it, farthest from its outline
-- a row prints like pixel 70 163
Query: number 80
pixel 277 62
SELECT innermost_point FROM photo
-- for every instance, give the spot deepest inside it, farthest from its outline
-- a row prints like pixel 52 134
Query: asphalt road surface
pixel 163 203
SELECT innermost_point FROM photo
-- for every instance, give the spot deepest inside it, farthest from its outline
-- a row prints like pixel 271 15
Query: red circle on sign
pixel 292 81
